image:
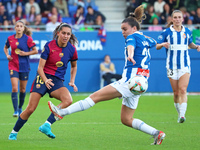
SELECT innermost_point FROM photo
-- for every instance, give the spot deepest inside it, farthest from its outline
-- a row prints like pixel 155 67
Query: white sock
pixel 183 108
pixel 48 122
pixel 13 131
pixel 177 106
pixel 140 125
pixel 78 106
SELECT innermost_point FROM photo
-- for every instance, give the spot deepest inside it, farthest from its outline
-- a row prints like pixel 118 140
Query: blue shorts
pixel 39 86
pixel 19 75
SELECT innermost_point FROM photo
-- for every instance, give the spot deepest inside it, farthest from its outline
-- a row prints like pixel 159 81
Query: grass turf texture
pixel 100 128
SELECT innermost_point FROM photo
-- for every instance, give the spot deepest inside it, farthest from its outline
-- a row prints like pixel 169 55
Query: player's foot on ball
pixel 55 110
pixel 158 137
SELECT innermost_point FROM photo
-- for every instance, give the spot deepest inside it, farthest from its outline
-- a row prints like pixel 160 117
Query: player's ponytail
pixel 73 40
pixel 135 18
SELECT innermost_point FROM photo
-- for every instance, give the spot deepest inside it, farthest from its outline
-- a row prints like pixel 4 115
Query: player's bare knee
pixel 124 120
pixel 183 90
pixel 14 89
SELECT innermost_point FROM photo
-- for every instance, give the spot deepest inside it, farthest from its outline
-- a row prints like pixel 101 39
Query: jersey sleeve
pixel 151 42
pixel 75 56
pixel 7 43
pixel 30 42
pixel 130 40
pixel 45 52
pixel 162 37
pixel 190 37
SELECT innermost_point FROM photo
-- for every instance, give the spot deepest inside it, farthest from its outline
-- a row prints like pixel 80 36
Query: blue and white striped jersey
pixel 177 54
pixel 141 46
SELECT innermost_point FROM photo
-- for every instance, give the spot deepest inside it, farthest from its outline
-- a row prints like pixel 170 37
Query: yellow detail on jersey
pixel 17 43
pixel 59 64
pixel 17 51
pixel 43 50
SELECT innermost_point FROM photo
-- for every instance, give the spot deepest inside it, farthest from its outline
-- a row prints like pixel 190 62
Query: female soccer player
pixel 136 63
pixel 22 46
pixel 50 76
pixel 176 40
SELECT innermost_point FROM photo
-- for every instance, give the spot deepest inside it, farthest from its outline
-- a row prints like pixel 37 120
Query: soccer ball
pixel 138 85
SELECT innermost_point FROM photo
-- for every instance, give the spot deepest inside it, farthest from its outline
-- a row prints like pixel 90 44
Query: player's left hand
pixel 131 60
pixel 74 86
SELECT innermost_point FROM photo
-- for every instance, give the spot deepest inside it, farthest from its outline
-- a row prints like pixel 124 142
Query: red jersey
pixel 25 43
pixel 57 58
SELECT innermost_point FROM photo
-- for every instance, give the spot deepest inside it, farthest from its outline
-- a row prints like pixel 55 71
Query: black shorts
pixel 19 75
pixel 39 86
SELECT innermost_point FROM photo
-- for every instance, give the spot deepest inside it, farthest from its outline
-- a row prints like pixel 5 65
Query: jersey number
pixel 39 80
pixel 146 53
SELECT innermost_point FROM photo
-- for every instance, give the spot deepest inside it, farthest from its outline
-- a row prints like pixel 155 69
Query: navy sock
pixel 51 118
pixel 19 124
pixel 21 99
pixel 14 100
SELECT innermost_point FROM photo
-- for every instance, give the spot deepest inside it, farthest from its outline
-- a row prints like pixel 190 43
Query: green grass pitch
pixel 99 128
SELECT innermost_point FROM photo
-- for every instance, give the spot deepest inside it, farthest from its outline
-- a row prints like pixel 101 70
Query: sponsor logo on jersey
pixel 59 64
pixel 17 51
pixel 37 86
pixel 17 43
pixel 61 55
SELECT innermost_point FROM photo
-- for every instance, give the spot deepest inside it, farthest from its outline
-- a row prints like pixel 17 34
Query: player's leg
pixel 126 119
pixel 183 84
pixel 14 95
pixel 106 93
pixel 32 105
pixel 22 94
pixel 174 85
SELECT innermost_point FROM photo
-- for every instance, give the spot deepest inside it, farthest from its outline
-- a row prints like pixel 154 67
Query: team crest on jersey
pixel 160 37
pixel 61 55
pixel 59 64
pixel 17 51
pixel 17 43
pixel 37 86
pixel 184 36
pixel 11 72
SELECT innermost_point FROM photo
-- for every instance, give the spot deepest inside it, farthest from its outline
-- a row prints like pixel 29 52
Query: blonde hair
pixel 135 18
pixel 26 31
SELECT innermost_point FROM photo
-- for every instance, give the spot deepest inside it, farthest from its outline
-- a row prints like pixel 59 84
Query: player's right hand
pixel 49 83
pixel 9 57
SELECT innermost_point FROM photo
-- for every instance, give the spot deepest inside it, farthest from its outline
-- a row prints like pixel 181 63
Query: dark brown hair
pixel 135 18
pixel 73 40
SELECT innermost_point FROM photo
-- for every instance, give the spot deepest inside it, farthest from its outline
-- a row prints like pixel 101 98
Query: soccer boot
pixel 46 129
pixel 12 136
pixel 15 114
pixel 158 137
pixel 19 111
pixel 55 110
pixel 181 120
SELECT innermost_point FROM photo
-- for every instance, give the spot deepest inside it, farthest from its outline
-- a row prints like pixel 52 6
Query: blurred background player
pixel 107 70
pixel 137 62
pixel 176 40
pixel 22 46
pixel 50 76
